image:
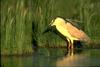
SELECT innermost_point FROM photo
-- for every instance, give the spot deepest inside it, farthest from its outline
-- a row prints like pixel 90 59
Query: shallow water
pixel 54 57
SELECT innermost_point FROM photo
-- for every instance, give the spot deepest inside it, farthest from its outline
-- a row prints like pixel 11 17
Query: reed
pixel 23 21
pixel 16 28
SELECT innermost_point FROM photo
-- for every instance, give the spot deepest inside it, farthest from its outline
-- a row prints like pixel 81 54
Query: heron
pixel 69 31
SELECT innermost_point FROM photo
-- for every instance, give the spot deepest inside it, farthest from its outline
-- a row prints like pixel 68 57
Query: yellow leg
pixel 69 45
pixel 72 47
pixel 72 44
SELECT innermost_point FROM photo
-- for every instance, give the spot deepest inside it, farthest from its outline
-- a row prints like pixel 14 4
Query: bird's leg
pixel 71 48
pixel 69 44
pixel 72 45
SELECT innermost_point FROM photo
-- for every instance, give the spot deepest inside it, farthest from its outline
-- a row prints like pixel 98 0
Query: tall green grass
pixel 89 17
pixel 16 27
pixel 23 21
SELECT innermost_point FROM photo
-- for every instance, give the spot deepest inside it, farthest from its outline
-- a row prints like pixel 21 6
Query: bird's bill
pixel 47 29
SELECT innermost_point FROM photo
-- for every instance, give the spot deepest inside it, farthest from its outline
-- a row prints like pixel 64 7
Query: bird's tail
pixel 88 40
pixel 85 38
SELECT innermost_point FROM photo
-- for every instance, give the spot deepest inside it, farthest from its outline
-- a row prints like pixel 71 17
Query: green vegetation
pixel 16 27
pixel 25 20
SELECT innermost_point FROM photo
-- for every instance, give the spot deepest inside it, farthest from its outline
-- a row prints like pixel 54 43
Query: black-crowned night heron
pixel 69 31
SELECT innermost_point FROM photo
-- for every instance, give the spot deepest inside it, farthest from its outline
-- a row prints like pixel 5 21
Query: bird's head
pixel 55 22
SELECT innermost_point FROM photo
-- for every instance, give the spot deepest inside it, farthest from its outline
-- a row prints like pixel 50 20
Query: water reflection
pixel 79 58
pixel 73 52
pixel 71 58
pixel 54 57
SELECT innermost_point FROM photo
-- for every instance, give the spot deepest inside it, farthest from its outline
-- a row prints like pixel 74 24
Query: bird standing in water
pixel 68 31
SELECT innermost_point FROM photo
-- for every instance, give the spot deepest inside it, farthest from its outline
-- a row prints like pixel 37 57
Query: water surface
pixel 54 57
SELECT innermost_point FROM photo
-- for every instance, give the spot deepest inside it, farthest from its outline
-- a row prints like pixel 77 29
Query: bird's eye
pixel 51 22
